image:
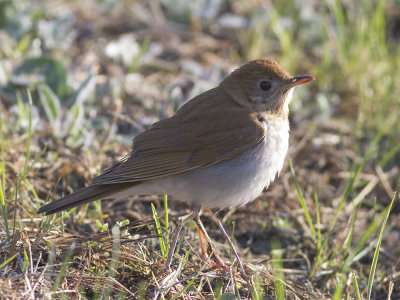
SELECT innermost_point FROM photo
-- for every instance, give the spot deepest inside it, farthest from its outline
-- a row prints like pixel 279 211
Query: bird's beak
pixel 295 81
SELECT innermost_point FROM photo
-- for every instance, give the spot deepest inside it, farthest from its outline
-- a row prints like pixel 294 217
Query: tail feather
pixel 83 196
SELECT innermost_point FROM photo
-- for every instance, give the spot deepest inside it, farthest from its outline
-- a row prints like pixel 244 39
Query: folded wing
pixel 217 130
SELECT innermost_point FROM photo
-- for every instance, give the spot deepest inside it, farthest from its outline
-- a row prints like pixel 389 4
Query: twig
pixel 234 251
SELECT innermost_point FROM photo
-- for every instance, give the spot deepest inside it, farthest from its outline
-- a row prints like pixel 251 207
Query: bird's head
pixel 262 85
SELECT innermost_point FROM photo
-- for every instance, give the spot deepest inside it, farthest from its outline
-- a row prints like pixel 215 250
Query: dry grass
pixel 337 126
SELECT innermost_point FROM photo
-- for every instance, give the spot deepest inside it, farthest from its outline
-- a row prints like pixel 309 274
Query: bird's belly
pixel 233 182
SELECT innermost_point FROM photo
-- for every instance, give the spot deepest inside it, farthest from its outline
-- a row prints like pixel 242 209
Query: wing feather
pixel 208 129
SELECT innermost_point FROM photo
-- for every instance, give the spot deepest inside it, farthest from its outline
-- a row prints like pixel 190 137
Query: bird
pixel 219 150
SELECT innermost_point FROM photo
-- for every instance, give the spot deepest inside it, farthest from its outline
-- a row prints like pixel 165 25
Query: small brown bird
pixel 220 149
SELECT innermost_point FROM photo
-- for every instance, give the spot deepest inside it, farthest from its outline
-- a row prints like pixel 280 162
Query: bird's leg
pixel 204 240
pixel 210 247
pixel 175 239
pixel 204 252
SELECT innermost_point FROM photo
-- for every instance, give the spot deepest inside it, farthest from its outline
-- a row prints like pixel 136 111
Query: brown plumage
pixel 218 125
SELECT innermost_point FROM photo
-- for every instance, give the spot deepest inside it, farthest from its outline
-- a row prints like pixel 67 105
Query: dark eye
pixel 265 85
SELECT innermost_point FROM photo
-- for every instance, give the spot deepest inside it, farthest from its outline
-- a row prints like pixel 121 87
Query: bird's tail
pixel 83 196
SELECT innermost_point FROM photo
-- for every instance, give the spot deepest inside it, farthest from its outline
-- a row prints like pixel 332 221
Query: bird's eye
pixel 265 85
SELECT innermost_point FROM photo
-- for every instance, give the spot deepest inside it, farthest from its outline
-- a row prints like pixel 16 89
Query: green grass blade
pixel 337 295
pixel 52 107
pixel 136 61
pixel 302 202
pixel 355 254
pixel 349 237
pixel 26 262
pixel 63 267
pixel 3 180
pixel 317 212
pixel 114 262
pixel 378 246
pixel 277 267
pixel 166 222
pixel 189 284
pixel 8 260
pixel 257 290
pixel 159 231
pixel 15 205
pixel 28 142
pixel 3 163
pixel 389 155
pixel 182 263
pixel 346 194
pixel 356 288
pixel 349 187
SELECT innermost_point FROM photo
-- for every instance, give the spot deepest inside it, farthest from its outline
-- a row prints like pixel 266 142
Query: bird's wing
pixel 208 129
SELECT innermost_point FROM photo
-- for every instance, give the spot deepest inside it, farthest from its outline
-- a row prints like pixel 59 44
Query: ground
pixel 79 80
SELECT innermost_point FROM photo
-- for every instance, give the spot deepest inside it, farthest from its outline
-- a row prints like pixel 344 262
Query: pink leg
pixel 210 247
